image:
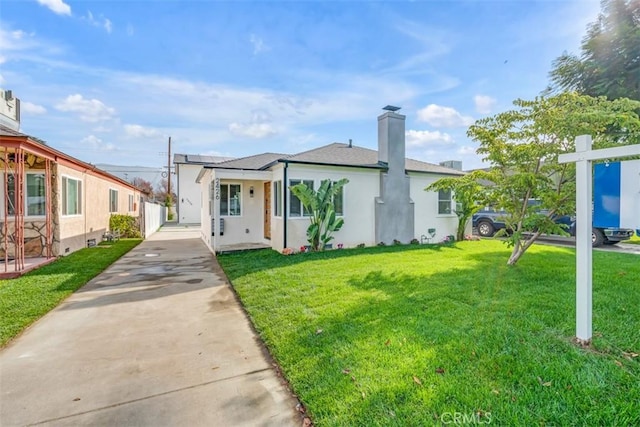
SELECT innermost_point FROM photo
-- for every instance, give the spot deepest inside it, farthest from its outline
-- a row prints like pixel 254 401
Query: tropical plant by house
pixel 320 203
pixel 467 192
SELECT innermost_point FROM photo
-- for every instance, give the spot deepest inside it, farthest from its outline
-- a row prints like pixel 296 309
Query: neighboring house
pixel 52 204
pixel 248 201
pixel 187 168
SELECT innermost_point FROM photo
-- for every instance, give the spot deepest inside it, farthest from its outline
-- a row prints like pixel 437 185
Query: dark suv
pixel 488 221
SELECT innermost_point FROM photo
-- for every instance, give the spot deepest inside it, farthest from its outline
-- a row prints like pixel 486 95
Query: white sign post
pixel 583 158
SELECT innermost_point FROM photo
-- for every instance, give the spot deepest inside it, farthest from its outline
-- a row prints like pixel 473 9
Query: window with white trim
pixel 277 198
pixel 230 199
pixel 444 202
pixel 35 193
pixel 71 196
pixel 296 208
pixel 338 202
pixel 131 204
pixel 113 200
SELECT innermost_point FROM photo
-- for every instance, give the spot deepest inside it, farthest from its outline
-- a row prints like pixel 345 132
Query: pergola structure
pixel 18 154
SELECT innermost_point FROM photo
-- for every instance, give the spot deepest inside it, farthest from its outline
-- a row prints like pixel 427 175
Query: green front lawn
pixel 417 335
pixel 25 299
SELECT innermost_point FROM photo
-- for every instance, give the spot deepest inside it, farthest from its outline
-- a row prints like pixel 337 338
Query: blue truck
pixel 616 206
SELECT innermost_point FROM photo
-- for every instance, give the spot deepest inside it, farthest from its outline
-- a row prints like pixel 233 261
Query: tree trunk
pixel 462 224
pixel 519 248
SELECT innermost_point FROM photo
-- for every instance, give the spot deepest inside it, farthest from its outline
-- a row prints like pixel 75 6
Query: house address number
pixel 217 190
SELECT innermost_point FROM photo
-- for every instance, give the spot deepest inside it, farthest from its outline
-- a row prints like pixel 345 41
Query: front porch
pixel 10 269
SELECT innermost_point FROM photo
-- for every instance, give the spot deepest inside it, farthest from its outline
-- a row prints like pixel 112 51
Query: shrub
pixel 127 225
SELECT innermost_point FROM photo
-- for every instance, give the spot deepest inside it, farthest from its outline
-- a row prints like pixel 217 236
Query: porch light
pixel 251 191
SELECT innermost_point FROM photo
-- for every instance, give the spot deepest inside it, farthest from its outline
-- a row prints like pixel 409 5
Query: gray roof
pixel 256 162
pixel 337 154
pixel 6 131
pixel 198 159
pixel 342 155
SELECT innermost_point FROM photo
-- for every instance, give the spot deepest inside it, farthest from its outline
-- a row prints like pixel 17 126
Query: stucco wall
pixel 359 197
pixel 205 214
pixel 189 194
pixel 426 209
pixel 74 230
pixel 247 227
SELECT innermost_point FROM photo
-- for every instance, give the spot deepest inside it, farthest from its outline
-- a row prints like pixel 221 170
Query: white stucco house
pixel 187 167
pixel 248 201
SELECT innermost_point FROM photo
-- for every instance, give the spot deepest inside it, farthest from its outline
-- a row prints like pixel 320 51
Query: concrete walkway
pixel 158 339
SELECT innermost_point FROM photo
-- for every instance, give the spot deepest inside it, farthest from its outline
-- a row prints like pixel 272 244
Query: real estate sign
pixel 616 195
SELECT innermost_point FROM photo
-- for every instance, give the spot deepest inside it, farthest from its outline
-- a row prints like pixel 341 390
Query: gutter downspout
pixel 284 203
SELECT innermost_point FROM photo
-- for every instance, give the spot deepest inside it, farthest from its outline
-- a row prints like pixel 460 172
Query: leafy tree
pixel 323 215
pixel 162 193
pixel 522 146
pixel 609 64
pixel 144 186
pixel 468 194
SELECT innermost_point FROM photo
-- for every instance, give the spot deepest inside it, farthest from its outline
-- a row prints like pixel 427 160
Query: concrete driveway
pixel 158 339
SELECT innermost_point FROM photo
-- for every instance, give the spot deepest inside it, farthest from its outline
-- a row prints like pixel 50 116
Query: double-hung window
pixel 71 196
pixel 230 199
pixel 296 208
pixel 444 202
pixel 113 200
pixel 131 204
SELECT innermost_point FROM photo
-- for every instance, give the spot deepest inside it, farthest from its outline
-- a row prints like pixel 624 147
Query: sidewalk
pixel 158 339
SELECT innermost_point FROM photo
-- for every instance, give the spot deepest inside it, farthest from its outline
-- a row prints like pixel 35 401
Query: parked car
pixel 489 221
pixel 605 235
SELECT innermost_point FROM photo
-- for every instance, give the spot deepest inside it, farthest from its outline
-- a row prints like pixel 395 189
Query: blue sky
pixel 110 81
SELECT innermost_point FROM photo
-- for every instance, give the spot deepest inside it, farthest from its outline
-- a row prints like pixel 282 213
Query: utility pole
pixel 169 170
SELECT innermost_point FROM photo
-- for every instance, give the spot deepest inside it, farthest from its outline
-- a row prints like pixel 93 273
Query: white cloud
pixel 57 6
pixel 100 21
pixel 138 131
pixel 97 143
pixel 2 59
pixel 484 103
pixel 2 80
pixel 439 116
pixel 258 44
pixel 253 130
pixel 425 138
pixel 466 150
pixel 28 107
pixel 258 127
pixel 90 110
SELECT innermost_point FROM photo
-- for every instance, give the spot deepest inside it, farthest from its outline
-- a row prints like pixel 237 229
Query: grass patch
pixel 415 335
pixel 27 298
